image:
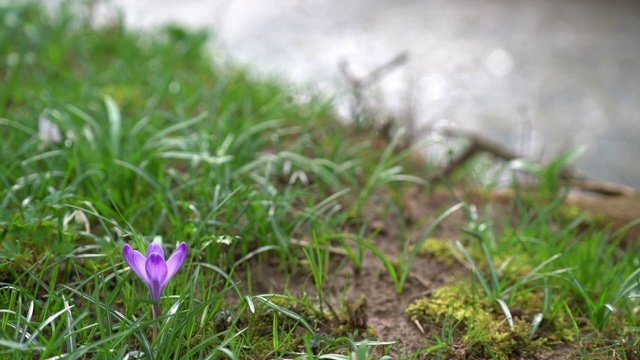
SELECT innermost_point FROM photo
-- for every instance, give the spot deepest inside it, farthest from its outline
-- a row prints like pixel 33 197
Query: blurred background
pixel 542 77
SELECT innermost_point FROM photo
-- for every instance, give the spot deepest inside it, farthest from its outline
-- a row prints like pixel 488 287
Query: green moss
pixel 124 93
pixel 5 273
pixel 439 250
pixel 453 300
pixel 267 322
pixel 486 332
pixel 514 266
pixel 95 266
pixel 569 213
pixel 442 252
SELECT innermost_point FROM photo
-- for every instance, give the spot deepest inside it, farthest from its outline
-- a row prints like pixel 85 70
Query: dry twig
pixel 360 108
pixel 480 143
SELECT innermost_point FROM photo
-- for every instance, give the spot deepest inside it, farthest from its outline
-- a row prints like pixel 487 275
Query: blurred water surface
pixel 541 76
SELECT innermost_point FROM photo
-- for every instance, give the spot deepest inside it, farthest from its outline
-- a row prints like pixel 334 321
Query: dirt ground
pixel 385 310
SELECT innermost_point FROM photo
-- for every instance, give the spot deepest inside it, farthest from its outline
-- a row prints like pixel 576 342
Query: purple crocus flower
pixel 153 269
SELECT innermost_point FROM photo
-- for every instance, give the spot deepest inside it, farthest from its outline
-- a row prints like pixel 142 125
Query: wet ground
pixel 541 76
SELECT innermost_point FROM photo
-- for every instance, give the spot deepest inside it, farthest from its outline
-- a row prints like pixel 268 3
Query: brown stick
pixel 480 143
pixel 360 107
pixel 375 75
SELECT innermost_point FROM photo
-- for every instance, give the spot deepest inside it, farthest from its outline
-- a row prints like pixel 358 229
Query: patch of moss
pixel 5 273
pixel 96 266
pixel 453 300
pixel 261 324
pixel 10 267
pixel 439 250
pixel 513 266
pixel 570 212
pixel 487 334
pixel 123 93
pixel 442 252
pixel 498 340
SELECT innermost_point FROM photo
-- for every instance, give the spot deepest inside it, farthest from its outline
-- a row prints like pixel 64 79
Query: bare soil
pixel 385 309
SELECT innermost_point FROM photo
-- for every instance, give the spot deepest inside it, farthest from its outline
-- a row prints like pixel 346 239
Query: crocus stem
pixel 155 323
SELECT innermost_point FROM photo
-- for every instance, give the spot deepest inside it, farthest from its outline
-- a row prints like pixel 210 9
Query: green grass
pixel 157 144
pixel 555 273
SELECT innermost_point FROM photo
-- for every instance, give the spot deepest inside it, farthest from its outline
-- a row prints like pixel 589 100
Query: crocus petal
pixel 157 273
pixel 155 248
pixel 175 261
pixel 136 261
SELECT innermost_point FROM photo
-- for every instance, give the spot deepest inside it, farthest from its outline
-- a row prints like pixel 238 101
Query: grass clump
pixel 273 333
pixel 353 321
pixel 539 270
pixel 114 136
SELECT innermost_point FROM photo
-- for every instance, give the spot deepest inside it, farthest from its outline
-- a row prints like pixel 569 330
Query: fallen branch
pixel 480 143
pixel 360 108
pixel 375 75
